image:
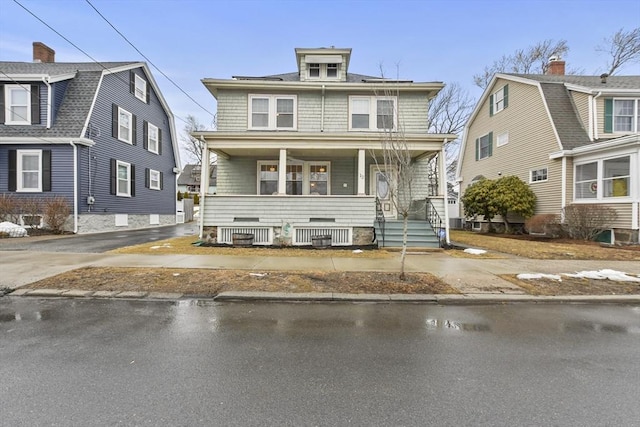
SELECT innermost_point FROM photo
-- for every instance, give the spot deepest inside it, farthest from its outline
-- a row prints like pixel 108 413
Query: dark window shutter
pixel 13 170
pixel 147 177
pixel 145 134
pixel 46 170
pixel 159 141
pixel 35 104
pixel 491 105
pixel 114 121
pixel 1 103
pixel 506 96
pixel 148 93
pixel 161 181
pixel 134 133
pixel 132 82
pixel 113 174
pixel 490 144
pixel 608 115
pixel 477 149
pixel 133 180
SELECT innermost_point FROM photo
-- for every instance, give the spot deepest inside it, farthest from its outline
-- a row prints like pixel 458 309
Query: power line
pixel 148 60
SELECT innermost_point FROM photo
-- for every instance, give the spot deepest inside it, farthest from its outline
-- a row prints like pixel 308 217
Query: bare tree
pixel 532 60
pixel 192 146
pixel 623 47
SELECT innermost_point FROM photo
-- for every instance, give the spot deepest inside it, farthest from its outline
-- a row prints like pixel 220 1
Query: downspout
pixel 75 186
pixel 595 115
pixel 322 112
pixel 563 197
pixel 45 80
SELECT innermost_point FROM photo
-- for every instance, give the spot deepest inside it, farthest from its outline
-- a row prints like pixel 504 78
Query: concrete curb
pixel 239 296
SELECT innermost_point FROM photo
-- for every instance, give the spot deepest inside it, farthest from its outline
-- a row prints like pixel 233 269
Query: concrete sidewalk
pixel 476 279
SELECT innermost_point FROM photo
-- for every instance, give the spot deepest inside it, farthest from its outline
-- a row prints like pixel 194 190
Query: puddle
pixel 454 325
pixel 586 326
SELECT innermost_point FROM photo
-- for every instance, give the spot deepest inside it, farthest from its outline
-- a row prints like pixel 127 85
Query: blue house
pixel 100 135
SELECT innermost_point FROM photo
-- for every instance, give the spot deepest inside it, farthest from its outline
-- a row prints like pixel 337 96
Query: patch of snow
pixel 605 274
pixel 531 276
pixel 13 230
pixel 475 251
pixel 258 274
pixel 165 245
pixel 358 251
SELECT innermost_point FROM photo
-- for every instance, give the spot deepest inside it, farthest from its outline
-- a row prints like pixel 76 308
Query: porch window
pixel 607 178
pixel 372 113
pixel 319 179
pixel 268 178
pixel 586 181
pixel 272 112
pixel 615 179
pixel 294 179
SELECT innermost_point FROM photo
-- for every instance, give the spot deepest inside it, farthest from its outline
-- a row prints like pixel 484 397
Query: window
pixel 538 175
pixel 124 179
pixel 302 178
pixel 125 125
pixel 372 113
pixel 140 88
pixel 626 114
pixel 18 105
pixel 608 178
pixel 484 146
pixel 272 112
pixel 154 179
pixel 499 100
pixel 503 139
pixel 323 71
pixel 29 170
pixel 153 138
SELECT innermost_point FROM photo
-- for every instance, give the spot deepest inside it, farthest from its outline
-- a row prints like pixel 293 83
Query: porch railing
pixel 380 218
pixel 436 222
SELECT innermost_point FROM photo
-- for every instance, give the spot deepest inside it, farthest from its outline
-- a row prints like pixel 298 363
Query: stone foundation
pixel 363 236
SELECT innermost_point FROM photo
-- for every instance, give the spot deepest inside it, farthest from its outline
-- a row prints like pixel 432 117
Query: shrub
pixel 546 224
pixel 56 213
pixel 31 211
pixel 9 210
pixel 180 197
pixel 586 221
pixel 196 199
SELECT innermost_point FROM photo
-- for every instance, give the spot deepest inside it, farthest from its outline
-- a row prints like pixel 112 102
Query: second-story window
pixel 152 138
pixel 626 115
pixel 18 105
pixel 499 100
pixel 372 113
pixel 272 112
pixel 125 125
pixel 138 86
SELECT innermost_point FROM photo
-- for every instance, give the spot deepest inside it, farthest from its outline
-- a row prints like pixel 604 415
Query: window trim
pixel 600 179
pixel 546 175
pixel 373 113
pixel 153 172
pixel 635 123
pixel 306 174
pixel 143 88
pixel 502 139
pixel 19 171
pixel 157 139
pixel 130 128
pixel 8 89
pixel 271 112
pixel 118 179
pixel 489 137
pixel 323 71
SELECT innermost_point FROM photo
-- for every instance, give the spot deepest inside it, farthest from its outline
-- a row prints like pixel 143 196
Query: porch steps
pixel 420 234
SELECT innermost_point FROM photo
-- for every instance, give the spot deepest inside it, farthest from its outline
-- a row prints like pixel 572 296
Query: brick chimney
pixel 43 53
pixel 555 66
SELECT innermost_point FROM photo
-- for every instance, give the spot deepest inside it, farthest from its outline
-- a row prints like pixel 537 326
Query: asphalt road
pixel 98 242
pixel 105 362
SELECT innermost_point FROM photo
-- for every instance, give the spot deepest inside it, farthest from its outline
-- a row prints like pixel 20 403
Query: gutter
pixel 322 111
pixel 595 115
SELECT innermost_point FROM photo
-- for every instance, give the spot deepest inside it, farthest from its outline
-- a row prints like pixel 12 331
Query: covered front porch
pixel 286 189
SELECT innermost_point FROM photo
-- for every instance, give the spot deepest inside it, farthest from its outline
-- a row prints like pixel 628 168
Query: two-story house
pixel 572 138
pixel 296 153
pixel 99 135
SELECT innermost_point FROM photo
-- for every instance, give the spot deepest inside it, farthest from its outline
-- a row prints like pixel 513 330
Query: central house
pixel 300 155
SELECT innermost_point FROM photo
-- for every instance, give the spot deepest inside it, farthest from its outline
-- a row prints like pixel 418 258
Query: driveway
pixel 97 242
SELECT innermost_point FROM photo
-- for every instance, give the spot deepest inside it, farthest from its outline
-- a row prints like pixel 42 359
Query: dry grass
pixel 548 249
pixel 185 246
pixel 574 286
pixel 211 282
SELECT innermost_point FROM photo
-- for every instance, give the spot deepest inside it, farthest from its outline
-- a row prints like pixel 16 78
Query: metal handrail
pixel 380 218
pixel 436 222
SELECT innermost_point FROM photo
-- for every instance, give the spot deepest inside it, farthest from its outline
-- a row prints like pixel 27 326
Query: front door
pixel 380 187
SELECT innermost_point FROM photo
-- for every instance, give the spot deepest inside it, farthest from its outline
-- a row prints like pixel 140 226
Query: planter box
pixel 321 241
pixel 242 239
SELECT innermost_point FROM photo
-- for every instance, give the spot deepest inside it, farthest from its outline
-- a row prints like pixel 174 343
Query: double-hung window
pixel 372 113
pixel 140 88
pixel 272 112
pixel 603 179
pixel 17 105
pixel 626 115
pixel 499 100
pixel 154 179
pixel 318 71
pixel 29 176
pixel 153 139
pixel 123 187
pixel 125 125
pixel 484 146
pixel 268 177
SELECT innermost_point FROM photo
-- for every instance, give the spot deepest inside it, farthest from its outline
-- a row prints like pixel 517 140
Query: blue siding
pixel 61 170
pixel 58 90
pixel 115 89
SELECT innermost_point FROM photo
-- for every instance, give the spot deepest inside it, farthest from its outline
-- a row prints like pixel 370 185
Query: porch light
pixel 272 169
pixel 321 169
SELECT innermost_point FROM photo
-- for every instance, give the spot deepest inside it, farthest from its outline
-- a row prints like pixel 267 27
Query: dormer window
pixel 323 71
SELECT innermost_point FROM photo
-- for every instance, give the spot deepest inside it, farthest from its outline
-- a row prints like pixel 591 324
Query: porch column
pixel 361 172
pixel 204 185
pixel 282 172
pixel 444 188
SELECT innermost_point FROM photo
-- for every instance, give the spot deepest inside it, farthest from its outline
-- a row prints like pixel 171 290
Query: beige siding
pixel 624 214
pixel 531 140
pixel 581 101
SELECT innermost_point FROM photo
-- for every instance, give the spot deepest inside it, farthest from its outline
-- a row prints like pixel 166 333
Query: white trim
pixel 128 166
pixel 157 139
pixel 632 191
pixel 157 174
pixel 143 83
pixel 306 174
pixel 635 123
pixel 130 128
pixel 505 136
pixel 20 170
pixel 563 187
pixel 531 171
pixel 373 112
pixel 10 140
pixel 272 113
pixel 8 105
pixel 495 100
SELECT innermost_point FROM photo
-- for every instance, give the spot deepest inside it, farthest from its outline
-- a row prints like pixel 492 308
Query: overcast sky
pixel 429 40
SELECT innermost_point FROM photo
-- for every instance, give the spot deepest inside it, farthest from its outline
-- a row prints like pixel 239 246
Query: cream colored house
pixel 574 139
pixel 295 155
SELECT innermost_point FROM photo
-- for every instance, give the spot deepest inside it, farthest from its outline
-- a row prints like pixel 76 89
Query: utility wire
pixel 148 60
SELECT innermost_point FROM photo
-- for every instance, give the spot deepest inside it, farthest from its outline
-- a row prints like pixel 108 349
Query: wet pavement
pixel 79 362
